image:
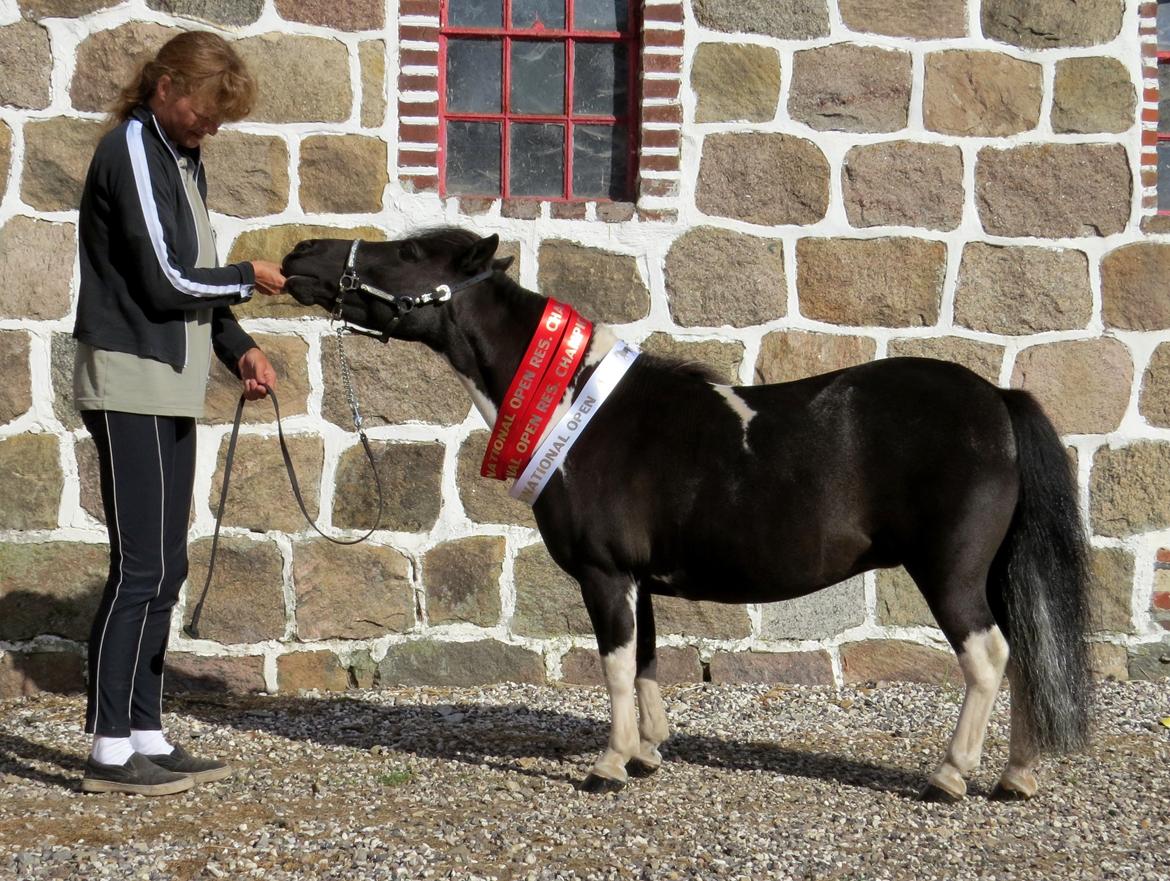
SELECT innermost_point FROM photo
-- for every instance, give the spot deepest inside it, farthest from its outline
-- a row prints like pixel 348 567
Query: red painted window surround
pixel 657 137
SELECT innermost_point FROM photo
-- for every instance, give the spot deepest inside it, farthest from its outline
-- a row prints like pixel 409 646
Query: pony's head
pixel 395 288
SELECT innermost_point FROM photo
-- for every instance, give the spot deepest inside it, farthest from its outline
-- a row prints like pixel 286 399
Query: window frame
pixel 658 176
pixel 568 37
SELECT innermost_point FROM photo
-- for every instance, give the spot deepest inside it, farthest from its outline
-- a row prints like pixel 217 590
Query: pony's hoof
pixel 595 783
pixel 938 795
pixel 1003 793
pixel 640 768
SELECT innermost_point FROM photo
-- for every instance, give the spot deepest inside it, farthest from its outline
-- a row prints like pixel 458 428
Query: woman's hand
pixel 269 278
pixel 258 374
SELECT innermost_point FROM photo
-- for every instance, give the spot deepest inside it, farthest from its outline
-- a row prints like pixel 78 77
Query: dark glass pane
pixel 473 157
pixel 537 159
pixel 1163 25
pixel 475 13
pixel 549 14
pixel 538 77
pixel 474 75
pixel 600 78
pixel 600 15
pixel 600 161
pixel 1163 97
pixel 1164 177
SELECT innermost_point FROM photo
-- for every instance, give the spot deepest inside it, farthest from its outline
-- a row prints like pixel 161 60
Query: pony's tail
pixel 1041 576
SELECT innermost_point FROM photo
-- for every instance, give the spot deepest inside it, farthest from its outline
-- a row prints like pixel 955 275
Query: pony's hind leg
pixel 1019 779
pixel 652 725
pixel 983 656
pixel 611 602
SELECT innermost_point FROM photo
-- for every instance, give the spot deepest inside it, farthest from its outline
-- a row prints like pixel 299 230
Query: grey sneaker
pixel 139 776
pixel 200 770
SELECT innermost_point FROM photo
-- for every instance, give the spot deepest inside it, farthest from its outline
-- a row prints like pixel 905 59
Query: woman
pixel 153 306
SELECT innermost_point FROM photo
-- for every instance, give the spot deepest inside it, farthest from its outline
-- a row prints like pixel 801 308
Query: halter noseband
pixel 400 303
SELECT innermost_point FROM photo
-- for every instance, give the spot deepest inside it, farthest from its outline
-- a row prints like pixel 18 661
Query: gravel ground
pixel 760 782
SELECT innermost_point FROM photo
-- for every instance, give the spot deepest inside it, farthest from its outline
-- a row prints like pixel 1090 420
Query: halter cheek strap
pixel 400 303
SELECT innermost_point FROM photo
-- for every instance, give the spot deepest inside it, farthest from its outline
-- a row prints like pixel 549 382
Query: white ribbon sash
pixel 556 444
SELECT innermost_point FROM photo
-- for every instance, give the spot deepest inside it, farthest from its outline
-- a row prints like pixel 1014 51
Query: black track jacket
pixel 138 247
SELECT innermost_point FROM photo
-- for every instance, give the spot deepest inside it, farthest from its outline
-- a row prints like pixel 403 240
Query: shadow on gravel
pixel 18 754
pixel 501 736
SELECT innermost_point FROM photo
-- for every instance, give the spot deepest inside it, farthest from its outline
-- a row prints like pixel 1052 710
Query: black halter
pixel 400 303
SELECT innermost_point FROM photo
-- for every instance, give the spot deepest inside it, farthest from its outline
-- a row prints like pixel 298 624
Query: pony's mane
pixel 448 237
pixel 686 368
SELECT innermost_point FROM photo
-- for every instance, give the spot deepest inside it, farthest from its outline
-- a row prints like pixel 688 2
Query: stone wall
pixel 822 183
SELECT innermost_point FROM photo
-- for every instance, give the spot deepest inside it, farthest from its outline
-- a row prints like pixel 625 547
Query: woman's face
pixel 186 119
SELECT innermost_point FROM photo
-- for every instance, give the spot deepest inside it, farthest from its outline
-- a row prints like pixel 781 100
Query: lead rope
pixel 192 629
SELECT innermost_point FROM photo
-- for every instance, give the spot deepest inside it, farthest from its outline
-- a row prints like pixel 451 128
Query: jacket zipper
pixel 194 222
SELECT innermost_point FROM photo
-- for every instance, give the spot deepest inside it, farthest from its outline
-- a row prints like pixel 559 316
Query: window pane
pixel 1163 25
pixel 473 157
pixel 474 74
pixel 538 77
pixel 599 15
pixel 1164 97
pixel 599 162
pixel 537 159
pixel 549 14
pixel 600 78
pixel 475 13
pixel 1164 177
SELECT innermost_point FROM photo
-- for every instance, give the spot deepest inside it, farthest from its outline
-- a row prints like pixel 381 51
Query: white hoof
pixel 948 783
pixel 1015 784
pixel 646 762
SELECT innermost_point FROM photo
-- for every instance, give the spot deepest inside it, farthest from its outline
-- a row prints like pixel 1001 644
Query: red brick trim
pixel 418 89
pixel 660 159
pixel 670 12
pixel 1148 34
pixel 568 210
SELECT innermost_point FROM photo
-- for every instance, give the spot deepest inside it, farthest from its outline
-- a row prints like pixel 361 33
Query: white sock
pixel 111 750
pixel 150 743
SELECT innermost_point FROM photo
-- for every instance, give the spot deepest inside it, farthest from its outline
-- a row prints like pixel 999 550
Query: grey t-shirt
pixel 106 380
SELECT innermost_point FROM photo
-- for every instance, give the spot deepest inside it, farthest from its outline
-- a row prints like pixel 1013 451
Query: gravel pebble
pixel 779 782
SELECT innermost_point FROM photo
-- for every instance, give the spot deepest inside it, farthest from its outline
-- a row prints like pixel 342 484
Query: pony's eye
pixel 410 253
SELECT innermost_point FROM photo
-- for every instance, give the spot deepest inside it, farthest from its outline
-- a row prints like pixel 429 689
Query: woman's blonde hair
pixel 198 63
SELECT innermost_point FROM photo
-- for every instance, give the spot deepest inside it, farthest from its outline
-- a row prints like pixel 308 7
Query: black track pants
pixel 147 466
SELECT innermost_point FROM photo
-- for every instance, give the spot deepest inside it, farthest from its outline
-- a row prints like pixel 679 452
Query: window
pixel 537 99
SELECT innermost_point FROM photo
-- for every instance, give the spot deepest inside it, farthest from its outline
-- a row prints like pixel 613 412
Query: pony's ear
pixel 502 264
pixel 477 257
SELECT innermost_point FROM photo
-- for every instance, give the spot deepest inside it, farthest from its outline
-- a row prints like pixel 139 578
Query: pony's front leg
pixel 652 725
pixel 611 601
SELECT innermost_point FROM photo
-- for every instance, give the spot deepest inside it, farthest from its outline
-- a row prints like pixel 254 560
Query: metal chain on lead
pixel 347 380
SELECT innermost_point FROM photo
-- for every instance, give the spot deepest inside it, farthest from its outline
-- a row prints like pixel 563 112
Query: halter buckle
pixel 442 293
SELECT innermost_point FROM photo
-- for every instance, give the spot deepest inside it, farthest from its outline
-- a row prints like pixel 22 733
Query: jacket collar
pixel 150 123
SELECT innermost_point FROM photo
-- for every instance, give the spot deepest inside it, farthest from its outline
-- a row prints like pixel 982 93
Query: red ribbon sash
pixel 548 365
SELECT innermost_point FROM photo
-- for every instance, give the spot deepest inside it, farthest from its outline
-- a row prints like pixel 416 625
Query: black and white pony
pixel 683 486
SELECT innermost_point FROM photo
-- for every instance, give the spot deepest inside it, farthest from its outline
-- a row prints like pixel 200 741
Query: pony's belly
pixel 739 584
